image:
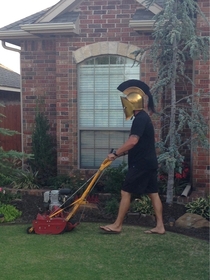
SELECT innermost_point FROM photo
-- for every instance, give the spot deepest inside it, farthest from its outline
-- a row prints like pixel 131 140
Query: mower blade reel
pixel 47 225
pixel 70 226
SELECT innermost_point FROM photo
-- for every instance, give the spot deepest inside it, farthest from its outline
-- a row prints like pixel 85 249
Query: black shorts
pixel 140 181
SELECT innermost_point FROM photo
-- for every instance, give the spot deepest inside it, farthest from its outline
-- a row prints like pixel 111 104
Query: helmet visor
pixel 128 108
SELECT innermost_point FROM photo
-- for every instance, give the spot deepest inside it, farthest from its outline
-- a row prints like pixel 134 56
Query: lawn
pixel 87 254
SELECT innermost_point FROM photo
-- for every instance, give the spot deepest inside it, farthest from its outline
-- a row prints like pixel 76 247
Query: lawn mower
pixel 61 207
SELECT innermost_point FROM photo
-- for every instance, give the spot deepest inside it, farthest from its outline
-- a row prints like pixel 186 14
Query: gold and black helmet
pixel 135 91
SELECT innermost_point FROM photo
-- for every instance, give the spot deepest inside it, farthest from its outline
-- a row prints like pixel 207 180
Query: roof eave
pixel 7 88
pixel 32 31
pixel 142 25
pixel 14 34
pixel 59 8
pixel 44 28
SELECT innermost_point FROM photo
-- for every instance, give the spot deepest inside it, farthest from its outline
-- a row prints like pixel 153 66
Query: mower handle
pixel 79 201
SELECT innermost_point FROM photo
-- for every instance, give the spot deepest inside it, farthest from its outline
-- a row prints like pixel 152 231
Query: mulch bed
pixel 31 205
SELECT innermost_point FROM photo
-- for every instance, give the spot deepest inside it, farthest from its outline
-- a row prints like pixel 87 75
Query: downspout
pixel 21 99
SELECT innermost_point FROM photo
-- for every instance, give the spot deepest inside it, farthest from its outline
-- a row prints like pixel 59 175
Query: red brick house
pixel 75 54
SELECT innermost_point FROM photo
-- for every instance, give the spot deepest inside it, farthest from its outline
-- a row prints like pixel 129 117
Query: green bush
pixel 113 179
pixel 26 180
pixel 200 207
pixel 7 197
pixel 60 181
pixel 44 150
pixel 5 180
pixel 142 205
pixel 10 212
pixel 111 206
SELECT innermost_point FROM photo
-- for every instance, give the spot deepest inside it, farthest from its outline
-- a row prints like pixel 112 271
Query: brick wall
pixel 49 68
pixel 38 81
pixel 201 157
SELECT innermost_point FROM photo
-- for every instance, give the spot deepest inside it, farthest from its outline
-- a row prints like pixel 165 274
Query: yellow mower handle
pixel 76 204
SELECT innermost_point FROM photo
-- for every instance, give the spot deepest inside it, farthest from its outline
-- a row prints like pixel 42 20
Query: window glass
pixel 102 124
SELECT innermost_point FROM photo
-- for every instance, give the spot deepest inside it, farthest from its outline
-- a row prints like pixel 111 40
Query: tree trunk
pixel 170 182
pixel 172 127
pixel 170 186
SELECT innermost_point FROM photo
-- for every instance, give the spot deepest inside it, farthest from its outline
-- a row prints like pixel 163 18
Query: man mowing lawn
pixel 141 177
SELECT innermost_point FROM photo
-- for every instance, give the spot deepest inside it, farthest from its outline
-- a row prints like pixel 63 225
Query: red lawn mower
pixel 58 217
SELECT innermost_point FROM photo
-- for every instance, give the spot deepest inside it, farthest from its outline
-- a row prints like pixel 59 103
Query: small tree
pixel 176 43
pixel 44 150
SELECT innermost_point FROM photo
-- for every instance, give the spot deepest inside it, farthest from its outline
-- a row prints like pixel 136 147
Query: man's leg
pixel 123 208
pixel 158 208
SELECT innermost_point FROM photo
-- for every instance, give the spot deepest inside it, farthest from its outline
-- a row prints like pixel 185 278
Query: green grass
pixel 87 254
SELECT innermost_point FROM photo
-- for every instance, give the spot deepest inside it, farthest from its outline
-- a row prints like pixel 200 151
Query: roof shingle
pixel 71 17
pixel 8 78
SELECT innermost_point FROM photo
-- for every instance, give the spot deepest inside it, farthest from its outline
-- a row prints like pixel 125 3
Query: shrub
pixel 113 178
pixel 60 181
pixel 7 197
pixel 10 212
pixel 142 205
pixel 44 150
pixel 111 206
pixel 26 180
pixel 11 165
pixel 5 180
pixel 200 207
pixel 181 179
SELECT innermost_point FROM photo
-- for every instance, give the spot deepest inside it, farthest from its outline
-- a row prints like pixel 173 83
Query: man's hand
pixel 111 157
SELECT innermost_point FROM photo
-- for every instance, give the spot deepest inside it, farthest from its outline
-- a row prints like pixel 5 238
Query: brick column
pixel 201 157
pixel 66 107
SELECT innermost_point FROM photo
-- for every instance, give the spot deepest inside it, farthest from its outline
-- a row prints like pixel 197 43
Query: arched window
pixel 102 123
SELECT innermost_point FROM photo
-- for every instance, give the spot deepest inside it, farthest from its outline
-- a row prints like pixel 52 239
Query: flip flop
pixel 108 230
pixel 153 232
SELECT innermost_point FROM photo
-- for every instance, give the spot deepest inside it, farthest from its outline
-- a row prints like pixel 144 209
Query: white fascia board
pixel 58 9
pixel 15 34
pixel 4 88
pixel 142 24
pixel 155 9
pixel 39 28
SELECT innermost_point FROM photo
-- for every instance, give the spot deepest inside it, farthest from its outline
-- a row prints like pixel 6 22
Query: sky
pixel 14 10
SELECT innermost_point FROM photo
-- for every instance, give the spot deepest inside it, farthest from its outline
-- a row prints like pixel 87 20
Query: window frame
pixel 82 128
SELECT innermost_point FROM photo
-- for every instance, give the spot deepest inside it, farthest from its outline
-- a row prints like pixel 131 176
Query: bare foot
pixel 111 228
pixel 156 230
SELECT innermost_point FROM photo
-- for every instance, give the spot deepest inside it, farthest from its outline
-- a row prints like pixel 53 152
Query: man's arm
pixel 123 150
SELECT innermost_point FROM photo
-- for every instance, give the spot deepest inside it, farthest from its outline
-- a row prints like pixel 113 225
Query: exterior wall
pixel 104 30
pixel 38 82
pixel 49 70
pixel 201 157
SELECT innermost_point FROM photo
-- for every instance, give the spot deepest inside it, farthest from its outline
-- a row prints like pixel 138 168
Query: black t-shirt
pixel 143 154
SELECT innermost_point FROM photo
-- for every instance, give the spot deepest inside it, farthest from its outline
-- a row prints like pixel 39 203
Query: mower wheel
pixel 30 230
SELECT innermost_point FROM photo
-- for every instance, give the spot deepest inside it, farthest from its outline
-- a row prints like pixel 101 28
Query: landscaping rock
pixel 190 220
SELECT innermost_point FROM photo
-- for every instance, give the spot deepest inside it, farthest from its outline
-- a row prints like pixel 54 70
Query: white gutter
pixel 33 30
pixel 9 89
pixel 39 28
pixel 14 34
pixel 21 99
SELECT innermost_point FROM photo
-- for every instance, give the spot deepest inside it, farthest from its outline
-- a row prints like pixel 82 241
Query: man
pixel 141 177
